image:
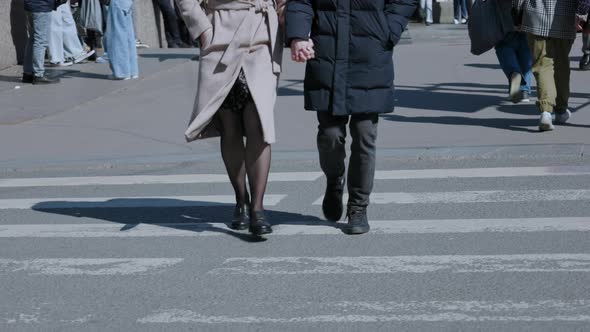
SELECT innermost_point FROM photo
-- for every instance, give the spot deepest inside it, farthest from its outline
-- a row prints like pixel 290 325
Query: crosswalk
pixel 48 217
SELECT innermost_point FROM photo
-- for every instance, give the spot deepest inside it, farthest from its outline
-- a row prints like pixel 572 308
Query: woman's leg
pixel 233 152
pixel 526 61
pixel 258 154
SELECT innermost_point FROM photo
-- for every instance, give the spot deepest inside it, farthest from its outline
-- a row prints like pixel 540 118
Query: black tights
pixel 251 159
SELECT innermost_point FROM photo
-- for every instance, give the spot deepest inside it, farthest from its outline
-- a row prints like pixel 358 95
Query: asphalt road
pixel 108 222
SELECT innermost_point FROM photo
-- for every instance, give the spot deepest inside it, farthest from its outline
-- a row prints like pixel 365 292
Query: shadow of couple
pixel 182 215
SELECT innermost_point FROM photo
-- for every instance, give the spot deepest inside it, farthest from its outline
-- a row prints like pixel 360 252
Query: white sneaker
pixel 562 117
pixel 456 21
pixel 545 122
pixel 463 21
pixel 61 64
pixel 139 44
pixel 83 56
pixel 103 59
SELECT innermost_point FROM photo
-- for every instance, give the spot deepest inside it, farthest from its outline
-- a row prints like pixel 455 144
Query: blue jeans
pixel 34 61
pixel 460 9
pixel 514 56
pixel 120 39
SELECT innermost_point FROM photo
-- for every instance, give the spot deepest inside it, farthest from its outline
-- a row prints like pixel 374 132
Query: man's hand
pixel 302 50
pixel 206 38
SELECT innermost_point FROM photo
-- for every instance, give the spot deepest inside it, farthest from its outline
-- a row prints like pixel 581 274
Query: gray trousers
pixel 331 143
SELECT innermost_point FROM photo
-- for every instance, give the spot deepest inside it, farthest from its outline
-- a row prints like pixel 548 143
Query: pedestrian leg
pixel 361 170
pixel 544 73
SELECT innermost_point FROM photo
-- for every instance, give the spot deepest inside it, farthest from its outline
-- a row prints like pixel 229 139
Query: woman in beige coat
pixel 240 60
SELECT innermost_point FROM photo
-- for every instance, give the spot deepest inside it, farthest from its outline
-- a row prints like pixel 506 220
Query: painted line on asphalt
pixel 495 172
pixel 378 312
pixel 87 266
pixel 405 264
pixel 127 202
pixel 496 196
pixel 147 179
pixel 295 176
pixel 520 225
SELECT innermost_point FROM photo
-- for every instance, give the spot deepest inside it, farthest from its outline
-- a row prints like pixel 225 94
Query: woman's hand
pixel 206 38
pixel 302 50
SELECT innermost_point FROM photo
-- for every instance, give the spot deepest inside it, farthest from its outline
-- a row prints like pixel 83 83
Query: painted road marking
pixel 406 264
pixel 520 225
pixel 296 176
pixel 377 312
pixel 147 179
pixel 88 266
pixel 127 202
pixel 496 196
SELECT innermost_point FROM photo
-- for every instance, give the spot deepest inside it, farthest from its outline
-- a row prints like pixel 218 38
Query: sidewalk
pixel 447 99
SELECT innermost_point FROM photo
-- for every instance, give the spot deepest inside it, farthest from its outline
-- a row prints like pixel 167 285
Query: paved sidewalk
pixel 448 101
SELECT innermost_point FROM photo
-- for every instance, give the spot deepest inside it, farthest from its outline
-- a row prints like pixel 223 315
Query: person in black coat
pixel 348 46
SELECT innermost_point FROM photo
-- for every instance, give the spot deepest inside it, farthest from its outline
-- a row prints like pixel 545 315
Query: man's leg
pixel 28 59
pixel 331 142
pixel 361 171
pixel 506 51
pixel 41 23
pixel 170 22
pixel 559 50
pixel 585 61
pixel 544 74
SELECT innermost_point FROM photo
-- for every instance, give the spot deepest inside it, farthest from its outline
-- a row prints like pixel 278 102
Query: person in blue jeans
pixel 120 40
pixel 38 20
pixel 461 14
pixel 516 61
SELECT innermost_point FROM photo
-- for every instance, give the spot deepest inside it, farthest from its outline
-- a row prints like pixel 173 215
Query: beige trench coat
pixel 247 35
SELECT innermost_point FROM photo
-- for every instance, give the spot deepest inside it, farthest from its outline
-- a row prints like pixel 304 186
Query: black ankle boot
pixel 357 221
pixel 258 223
pixel 332 204
pixel 240 218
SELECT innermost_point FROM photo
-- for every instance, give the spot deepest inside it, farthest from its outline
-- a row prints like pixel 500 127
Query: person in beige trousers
pixel 240 62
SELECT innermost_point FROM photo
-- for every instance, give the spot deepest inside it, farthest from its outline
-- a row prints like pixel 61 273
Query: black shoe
pixel 357 221
pixel 332 204
pixel 45 80
pixel 258 223
pixel 28 78
pixel 585 62
pixel 240 219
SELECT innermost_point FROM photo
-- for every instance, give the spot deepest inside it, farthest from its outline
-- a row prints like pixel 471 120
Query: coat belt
pixel 267 8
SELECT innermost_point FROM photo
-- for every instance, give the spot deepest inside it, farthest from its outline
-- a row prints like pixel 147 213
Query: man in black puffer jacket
pixel 38 18
pixel 348 45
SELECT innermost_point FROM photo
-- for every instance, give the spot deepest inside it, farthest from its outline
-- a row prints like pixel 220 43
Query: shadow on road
pixel 172 213
pixel 469 98
pixel 170 56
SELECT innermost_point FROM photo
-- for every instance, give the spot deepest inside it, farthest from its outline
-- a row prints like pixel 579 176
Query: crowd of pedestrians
pixel 67 32
pixel 349 80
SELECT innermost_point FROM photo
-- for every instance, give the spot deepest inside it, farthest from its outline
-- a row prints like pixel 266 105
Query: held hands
pixel 302 50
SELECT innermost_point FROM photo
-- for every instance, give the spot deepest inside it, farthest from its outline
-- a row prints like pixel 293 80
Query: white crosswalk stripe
pixel 519 225
pixel 379 312
pixel 130 233
pixel 405 264
pixel 126 202
pixel 496 196
pixel 295 176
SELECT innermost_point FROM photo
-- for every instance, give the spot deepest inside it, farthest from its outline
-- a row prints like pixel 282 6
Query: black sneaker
pixel 332 204
pixel 357 221
pixel 28 78
pixel 45 80
pixel 585 62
